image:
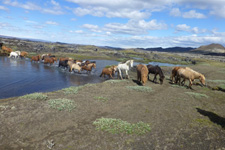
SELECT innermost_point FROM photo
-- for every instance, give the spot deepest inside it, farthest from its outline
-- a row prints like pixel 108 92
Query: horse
pixel 63 63
pixel 126 67
pixel 23 54
pixel 6 49
pixel 49 60
pixel 108 71
pixel 157 71
pixel 191 75
pixel 44 55
pixel 74 66
pixel 142 73
pixel 18 52
pixel 13 54
pixel 35 58
pixel 88 67
pixel 174 73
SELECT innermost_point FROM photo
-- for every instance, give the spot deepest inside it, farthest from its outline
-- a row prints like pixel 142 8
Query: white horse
pixel 18 52
pixel 126 67
pixel 13 54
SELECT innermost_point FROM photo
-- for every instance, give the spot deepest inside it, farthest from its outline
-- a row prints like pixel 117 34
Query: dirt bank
pixel 179 118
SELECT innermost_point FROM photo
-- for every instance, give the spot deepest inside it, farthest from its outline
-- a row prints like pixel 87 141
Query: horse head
pixel 130 63
pixel 202 79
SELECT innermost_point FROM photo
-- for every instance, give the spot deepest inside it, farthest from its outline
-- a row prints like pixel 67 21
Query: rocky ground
pixel 178 117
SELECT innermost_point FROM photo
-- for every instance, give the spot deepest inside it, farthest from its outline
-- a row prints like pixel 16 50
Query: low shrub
pixel 62 104
pixel 115 126
pixel 35 96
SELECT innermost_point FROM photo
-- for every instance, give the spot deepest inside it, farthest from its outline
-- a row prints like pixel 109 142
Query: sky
pixel 116 23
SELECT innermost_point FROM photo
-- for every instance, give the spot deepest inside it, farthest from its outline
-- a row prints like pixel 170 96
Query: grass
pixel 102 99
pixel 62 104
pixel 177 86
pixel 116 81
pixel 35 96
pixel 216 81
pixel 116 126
pixel 197 95
pixel 71 90
pixel 140 88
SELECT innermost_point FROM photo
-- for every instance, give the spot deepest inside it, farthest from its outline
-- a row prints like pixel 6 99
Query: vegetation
pixel 140 88
pixel 102 99
pixel 71 90
pixel 35 96
pixel 197 95
pixel 116 126
pixel 62 104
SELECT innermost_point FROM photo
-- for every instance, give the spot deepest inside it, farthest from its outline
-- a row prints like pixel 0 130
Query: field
pixel 120 114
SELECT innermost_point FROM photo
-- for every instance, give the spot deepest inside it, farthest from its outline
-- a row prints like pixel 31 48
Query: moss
pixel 62 104
pixel 140 88
pixel 35 96
pixel 116 126
pixel 203 122
pixel 197 95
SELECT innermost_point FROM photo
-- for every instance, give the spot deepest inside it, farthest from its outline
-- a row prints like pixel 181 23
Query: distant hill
pixel 171 49
pixel 210 49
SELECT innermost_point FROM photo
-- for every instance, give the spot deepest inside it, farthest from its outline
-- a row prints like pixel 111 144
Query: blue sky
pixel 117 23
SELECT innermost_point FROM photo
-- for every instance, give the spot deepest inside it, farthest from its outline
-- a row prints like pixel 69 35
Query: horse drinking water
pixel 124 67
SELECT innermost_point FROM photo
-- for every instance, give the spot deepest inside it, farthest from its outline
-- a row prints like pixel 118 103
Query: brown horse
pixel 6 49
pixel 88 67
pixel 174 74
pixel 108 71
pixel 49 60
pixel 191 75
pixel 23 54
pixel 35 58
pixel 142 73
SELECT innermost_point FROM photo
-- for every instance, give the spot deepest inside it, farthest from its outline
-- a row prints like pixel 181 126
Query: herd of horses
pixel 143 70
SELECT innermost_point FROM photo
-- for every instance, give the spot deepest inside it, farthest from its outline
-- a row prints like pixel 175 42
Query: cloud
pixel 134 27
pixel 51 23
pixel 186 28
pixel 190 14
pixel 3 8
pixel 93 28
pixel 56 9
pixel 193 14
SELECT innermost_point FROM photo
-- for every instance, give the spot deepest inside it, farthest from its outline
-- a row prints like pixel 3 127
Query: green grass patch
pixel 35 96
pixel 101 98
pixel 177 86
pixel 116 126
pixel 71 90
pixel 222 86
pixel 115 81
pixel 216 81
pixel 197 95
pixel 140 88
pixel 62 104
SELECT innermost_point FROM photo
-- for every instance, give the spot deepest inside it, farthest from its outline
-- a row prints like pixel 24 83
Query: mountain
pixel 171 49
pixel 210 49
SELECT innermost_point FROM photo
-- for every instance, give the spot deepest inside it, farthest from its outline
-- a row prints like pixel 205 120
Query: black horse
pixel 157 71
pixel 63 63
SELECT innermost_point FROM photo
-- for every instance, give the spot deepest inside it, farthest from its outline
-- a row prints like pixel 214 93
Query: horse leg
pixel 127 76
pixel 120 75
pixel 154 80
pixel 190 83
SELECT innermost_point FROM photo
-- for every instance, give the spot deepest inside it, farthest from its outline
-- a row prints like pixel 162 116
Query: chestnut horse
pixel 157 71
pixel 5 49
pixel 23 54
pixel 88 67
pixel 49 60
pixel 108 71
pixel 142 73
pixel 35 58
